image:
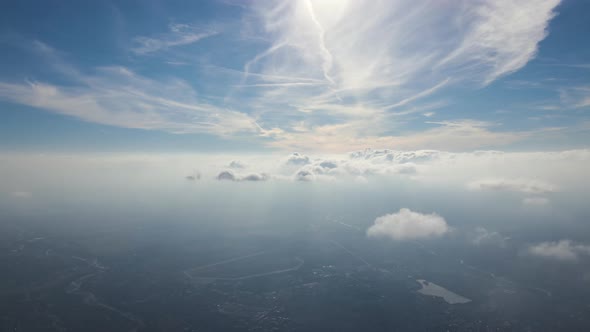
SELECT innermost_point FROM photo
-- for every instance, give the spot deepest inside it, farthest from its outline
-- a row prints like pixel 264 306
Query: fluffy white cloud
pixel 407 224
pixel 297 159
pixel 520 185
pixel 564 250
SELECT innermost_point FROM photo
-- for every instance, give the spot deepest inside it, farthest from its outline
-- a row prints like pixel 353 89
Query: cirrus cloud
pixel 178 35
pixel 316 75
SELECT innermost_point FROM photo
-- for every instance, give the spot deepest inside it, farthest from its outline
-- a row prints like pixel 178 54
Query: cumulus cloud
pixel 329 164
pixel 236 164
pixel 407 224
pixel 564 250
pixel 231 176
pixel 383 155
pixel 297 159
pixel 255 177
pixel 498 171
pixel 519 185
pixel 226 176
pixel 305 176
pixel 361 163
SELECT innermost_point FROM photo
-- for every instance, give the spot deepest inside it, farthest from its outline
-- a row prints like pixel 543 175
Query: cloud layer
pixel 564 250
pixel 534 179
pixel 519 185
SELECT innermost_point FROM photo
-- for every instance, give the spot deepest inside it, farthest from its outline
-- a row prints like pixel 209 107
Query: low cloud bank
pixel 368 162
pixel 533 175
pixel 563 250
pixel 518 185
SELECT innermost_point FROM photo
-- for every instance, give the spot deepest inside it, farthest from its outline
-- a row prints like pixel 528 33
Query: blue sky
pixel 374 113
pixel 330 76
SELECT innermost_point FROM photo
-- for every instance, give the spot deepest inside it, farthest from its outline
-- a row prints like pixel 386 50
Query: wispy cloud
pixel 559 94
pixel 178 35
pixel 575 97
pixel 372 59
pixel 336 75
pixel 400 41
pixel 451 135
pixel 117 96
pixel 519 185
pixel 497 41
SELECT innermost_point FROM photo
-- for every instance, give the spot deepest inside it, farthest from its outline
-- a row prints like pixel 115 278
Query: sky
pixel 459 127
pixel 408 120
pixel 282 76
